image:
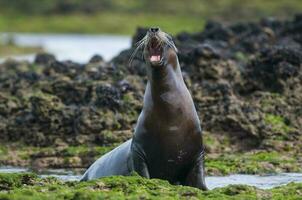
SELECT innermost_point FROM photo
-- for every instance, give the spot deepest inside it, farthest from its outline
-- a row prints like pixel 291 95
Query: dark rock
pixel 184 36
pixel 72 93
pixel 96 59
pixel 216 31
pixel 44 58
pixel 108 96
pixel 68 68
pixel 274 67
pixel 206 51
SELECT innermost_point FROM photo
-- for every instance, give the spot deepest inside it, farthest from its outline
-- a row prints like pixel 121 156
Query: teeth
pixel 155 58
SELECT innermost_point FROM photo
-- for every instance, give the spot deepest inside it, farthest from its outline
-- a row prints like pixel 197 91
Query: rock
pixel 44 58
pixel 274 68
pixel 96 59
pixel 216 31
pixel 206 51
pixel 108 96
pixel 245 80
pixel 88 122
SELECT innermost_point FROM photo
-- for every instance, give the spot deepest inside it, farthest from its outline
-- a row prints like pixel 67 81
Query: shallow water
pixel 263 181
pixel 76 47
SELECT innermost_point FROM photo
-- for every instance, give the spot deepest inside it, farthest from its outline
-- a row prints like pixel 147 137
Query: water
pixel 75 47
pixel 62 174
pixel 262 182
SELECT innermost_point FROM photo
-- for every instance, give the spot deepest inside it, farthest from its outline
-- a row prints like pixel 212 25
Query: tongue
pixel 155 58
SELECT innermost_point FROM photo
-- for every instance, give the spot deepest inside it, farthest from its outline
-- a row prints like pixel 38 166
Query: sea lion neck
pixel 165 88
pixel 164 78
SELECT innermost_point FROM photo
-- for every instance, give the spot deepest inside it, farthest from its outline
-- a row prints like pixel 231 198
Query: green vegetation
pixel 69 156
pixel 270 100
pixel 121 17
pixel 84 150
pixel 277 123
pixel 11 181
pixel 6 50
pixel 251 163
pixel 8 47
pixel 260 162
pixel 29 186
pixel 107 22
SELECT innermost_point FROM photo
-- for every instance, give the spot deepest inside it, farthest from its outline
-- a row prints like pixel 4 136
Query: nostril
pixel 154 29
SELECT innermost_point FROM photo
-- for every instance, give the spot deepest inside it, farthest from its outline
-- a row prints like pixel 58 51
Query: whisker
pixel 162 39
pixel 159 39
pixel 140 41
pixel 171 44
pixel 134 52
pixel 165 39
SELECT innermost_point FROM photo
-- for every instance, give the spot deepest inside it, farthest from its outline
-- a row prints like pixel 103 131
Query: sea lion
pixel 167 142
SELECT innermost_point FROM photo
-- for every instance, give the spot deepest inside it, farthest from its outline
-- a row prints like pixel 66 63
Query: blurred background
pixel 118 17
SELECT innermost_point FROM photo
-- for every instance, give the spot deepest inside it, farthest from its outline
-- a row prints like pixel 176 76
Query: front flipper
pixel 196 176
pixel 139 162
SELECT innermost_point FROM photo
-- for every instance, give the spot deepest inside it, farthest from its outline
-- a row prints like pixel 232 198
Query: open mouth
pixel 155 50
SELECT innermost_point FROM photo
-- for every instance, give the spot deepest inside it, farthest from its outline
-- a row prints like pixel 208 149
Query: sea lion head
pixel 158 48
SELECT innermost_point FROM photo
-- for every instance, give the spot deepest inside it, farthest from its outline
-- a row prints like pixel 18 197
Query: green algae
pixel 29 186
pixel 3 151
pixel 11 181
pixel 84 150
pixel 290 192
pixel 271 99
pixel 70 155
pixel 277 123
pixel 82 156
pixel 12 49
pixel 252 163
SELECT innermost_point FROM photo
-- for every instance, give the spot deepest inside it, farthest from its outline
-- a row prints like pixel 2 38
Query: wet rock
pixel 215 31
pixel 89 121
pixel 108 96
pixel 96 59
pixel 125 86
pixel 108 137
pixel 274 67
pixel 8 105
pixel 206 51
pixel 42 106
pixel 44 58
pixel 68 68
pixel 72 93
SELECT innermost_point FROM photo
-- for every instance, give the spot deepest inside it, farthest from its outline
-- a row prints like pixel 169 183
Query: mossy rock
pixel 29 186
pixel 11 181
